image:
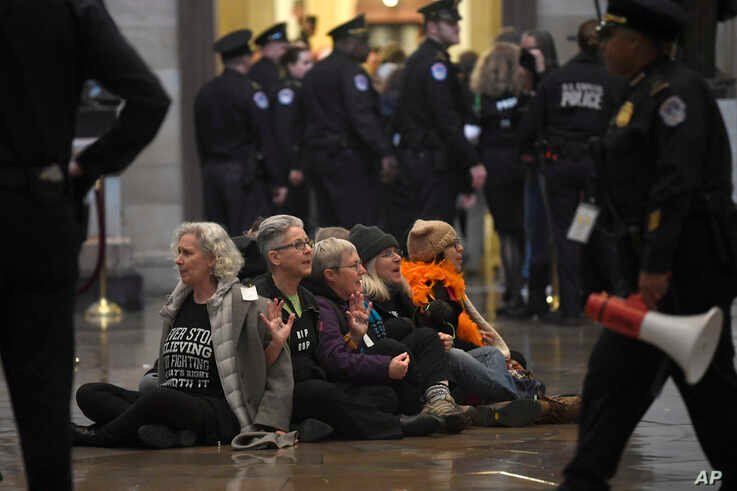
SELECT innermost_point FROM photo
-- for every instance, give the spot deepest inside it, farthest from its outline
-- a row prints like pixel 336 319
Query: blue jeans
pixel 481 376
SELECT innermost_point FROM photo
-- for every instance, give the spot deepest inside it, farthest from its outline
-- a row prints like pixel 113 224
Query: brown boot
pixel 559 409
pixel 450 414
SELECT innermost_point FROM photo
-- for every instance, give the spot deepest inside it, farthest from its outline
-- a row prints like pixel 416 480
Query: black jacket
pixel 500 119
pixel 49 49
pixel 267 74
pixel 233 124
pixel 303 341
pixel 397 313
pixel 289 121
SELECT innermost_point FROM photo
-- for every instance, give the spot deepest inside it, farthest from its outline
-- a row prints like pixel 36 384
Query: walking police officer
pixel 267 71
pixel 344 143
pixel 437 161
pixel 241 171
pixel 669 173
pixel 44 69
pixel 572 104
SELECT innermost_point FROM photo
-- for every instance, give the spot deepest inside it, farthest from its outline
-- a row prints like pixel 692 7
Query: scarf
pixel 422 278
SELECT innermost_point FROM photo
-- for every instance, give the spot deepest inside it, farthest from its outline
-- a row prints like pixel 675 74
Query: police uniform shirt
pixel 288 121
pixel 341 102
pixel 232 122
pixel 665 147
pixel 574 102
pixel 267 74
pixel 432 104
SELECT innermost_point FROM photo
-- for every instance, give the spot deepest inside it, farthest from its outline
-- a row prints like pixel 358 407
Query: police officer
pixel 668 162
pixel 44 70
pixel 241 171
pixel 289 126
pixel 267 71
pixel 572 104
pixel 344 143
pixel 437 161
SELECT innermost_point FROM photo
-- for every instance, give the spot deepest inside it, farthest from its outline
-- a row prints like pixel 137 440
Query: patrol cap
pixel 233 44
pixel 355 27
pixel 446 10
pixel 658 19
pixel 277 32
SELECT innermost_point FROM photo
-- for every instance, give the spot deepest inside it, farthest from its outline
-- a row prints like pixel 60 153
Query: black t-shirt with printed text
pixel 187 360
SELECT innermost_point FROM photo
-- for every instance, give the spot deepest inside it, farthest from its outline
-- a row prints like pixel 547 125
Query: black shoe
pixel 160 436
pixel 85 436
pixel 419 424
pixel 520 412
pixel 312 430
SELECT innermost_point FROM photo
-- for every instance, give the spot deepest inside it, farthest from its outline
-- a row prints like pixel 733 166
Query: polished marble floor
pixel 663 453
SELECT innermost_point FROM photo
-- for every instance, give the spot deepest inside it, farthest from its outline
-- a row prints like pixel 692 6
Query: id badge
pixel 583 223
pixel 249 293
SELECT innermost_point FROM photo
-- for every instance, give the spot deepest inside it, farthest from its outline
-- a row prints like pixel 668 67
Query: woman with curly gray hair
pixel 212 380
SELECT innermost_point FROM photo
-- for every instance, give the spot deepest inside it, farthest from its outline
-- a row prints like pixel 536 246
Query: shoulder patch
pixel 361 82
pixel 659 87
pixel 261 100
pixel 286 96
pixel 673 111
pixel 439 71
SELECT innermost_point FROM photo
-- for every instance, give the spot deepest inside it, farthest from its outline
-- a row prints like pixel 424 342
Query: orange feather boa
pixel 422 278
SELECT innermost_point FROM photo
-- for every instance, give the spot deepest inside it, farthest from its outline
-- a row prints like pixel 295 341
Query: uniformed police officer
pixel 267 71
pixel 289 127
pixel 241 171
pixel 437 161
pixel 572 104
pixel 344 143
pixel 669 172
pixel 44 69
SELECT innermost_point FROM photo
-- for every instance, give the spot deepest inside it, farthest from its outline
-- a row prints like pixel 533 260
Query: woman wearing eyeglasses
pixel 355 348
pixel 483 367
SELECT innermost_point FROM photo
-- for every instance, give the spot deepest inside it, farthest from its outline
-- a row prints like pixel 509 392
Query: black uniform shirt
pixel 574 102
pixel 432 105
pixel 232 123
pixel 665 148
pixel 43 74
pixel 500 118
pixel 289 121
pixel 266 73
pixel 341 105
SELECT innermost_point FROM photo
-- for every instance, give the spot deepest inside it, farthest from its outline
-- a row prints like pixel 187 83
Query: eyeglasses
pixel 390 253
pixel 300 245
pixel 356 266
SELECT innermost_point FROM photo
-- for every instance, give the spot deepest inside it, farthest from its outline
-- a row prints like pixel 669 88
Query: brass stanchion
pixel 103 312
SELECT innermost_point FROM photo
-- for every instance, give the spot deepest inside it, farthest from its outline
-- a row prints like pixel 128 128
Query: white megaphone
pixel 689 340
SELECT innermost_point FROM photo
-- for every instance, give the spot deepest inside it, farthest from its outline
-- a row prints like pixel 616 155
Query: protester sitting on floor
pixel 354 347
pixel 353 411
pixel 434 273
pixel 211 328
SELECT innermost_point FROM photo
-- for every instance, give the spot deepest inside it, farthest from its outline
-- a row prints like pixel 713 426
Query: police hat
pixel 233 44
pixel 276 32
pixel 446 10
pixel 355 27
pixel 658 19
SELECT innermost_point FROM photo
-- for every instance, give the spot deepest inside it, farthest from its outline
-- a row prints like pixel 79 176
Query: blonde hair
pixel 374 287
pixel 328 253
pixel 495 72
pixel 212 239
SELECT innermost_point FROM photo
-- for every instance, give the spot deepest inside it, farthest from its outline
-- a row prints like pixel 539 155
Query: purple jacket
pixel 337 358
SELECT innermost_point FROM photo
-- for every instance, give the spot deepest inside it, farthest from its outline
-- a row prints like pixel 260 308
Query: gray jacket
pixel 257 394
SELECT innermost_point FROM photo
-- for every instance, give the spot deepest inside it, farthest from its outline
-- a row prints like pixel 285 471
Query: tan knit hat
pixel 429 238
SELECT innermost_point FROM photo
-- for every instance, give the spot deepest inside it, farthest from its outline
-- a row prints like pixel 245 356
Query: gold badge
pixel 625 114
pixel 653 222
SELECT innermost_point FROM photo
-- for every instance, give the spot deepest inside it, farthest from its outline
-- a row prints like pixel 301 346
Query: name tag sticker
pixel 249 293
pixel 367 341
pixel 583 223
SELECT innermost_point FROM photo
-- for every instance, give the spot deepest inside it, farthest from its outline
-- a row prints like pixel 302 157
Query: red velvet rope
pixel 101 240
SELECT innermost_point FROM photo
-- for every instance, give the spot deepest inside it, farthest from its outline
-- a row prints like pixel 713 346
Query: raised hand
pixel 358 316
pixel 273 320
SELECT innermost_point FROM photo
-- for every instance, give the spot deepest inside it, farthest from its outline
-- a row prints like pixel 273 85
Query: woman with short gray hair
pixel 211 326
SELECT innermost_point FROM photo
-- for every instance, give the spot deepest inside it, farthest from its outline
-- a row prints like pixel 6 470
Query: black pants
pixel 565 182
pixel 120 412
pixel 231 201
pixel 362 412
pixel 38 270
pixel 346 186
pixel 428 365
